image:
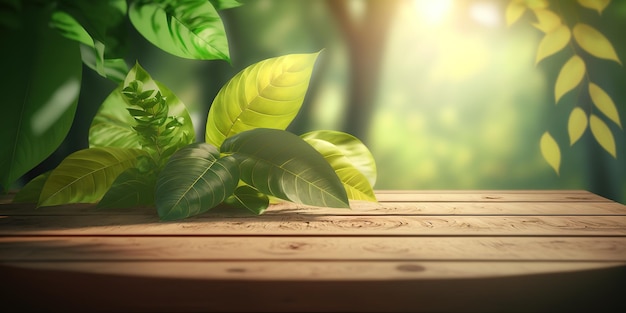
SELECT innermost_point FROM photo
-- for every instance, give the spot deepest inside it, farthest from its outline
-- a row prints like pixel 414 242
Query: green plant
pixel 584 41
pixel 143 149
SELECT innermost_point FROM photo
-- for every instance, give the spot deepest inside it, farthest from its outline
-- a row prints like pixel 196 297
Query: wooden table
pixel 413 251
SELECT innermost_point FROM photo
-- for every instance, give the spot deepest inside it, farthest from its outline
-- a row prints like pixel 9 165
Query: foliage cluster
pixel 597 109
pixel 142 145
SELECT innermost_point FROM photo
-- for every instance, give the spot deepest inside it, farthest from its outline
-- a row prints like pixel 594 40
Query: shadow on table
pixel 53 290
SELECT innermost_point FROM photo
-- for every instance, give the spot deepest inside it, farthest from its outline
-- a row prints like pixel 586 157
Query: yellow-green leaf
pixel 576 125
pixel 594 42
pixel 536 4
pixel 281 164
pixel 514 10
pixel 598 5
pixel 570 76
pixel 547 20
pixel 553 42
pixel 357 153
pixel 603 134
pixel 604 103
pixel 267 94
pixel 550 151
pixel 85 175
pixel 356 184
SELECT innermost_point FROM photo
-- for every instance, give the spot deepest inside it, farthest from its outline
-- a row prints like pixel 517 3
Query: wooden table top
pixel 412 251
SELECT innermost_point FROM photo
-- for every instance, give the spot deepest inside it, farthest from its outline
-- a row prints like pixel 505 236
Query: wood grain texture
pixel 313 248
pixel 433 250
pixel 294 225
pixel 358 208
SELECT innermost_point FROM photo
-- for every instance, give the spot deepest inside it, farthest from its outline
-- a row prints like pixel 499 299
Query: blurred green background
pixel 449 96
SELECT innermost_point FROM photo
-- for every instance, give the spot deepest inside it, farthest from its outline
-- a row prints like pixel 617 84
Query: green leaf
pixel 351 147
pixel 114 69
pixel 70 28
pixel 31 191
pixel 268 94
pixel 604 103
pixel 130 189
pixel 39 86
pixel 550 151
pixel 576 125
pixel 113 125
pixel 9 16
pixel 603 134
pixel 194 180
pixel 553 42
pixel 514 10
pixel 598 5
pixel 281 164
pixel 186 28
pixel 250 199
pixel 547 21
pixel 570 76
pixel 356 184
pixel 103 20
pixel 594 42
pixel 537 4
pixel 86 175
pixel 224 4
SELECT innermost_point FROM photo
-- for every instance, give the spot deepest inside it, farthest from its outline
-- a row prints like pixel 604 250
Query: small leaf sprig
pixel 585 41
pixel 157 130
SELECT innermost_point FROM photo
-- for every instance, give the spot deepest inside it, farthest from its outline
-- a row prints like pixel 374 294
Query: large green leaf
pixel 194 180
pixel 39 87
pixel 85 176
pixel 224 4
pixel 8 14
pixel 186 28
pixel 356 184
pixel 281 164
pixel 31 191
pixel 248 198
pixel 70 28
pixel 113 125
pixel 114 69
pixel 352 148
pixel 103 20
pixel 130 189
pixel 268 94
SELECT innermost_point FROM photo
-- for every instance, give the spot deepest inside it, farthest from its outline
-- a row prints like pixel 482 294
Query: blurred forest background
pixel 444 94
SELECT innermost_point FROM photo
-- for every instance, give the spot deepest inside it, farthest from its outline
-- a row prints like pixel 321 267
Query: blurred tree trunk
pixel 366 39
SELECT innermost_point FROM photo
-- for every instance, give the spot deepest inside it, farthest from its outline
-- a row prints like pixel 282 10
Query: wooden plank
pixel 358 208
pixel 481 191
pixel 309 286
pixel 70 209
pixel 454 208
pixel 29 249
pixel 385 197
pixel 315 270
pixel 265 225
pixel 485 196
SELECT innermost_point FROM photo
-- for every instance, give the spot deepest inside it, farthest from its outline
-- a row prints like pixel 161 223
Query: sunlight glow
pixel 357 9
pixel 486 13
pixel 432 12
pixel 51 111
